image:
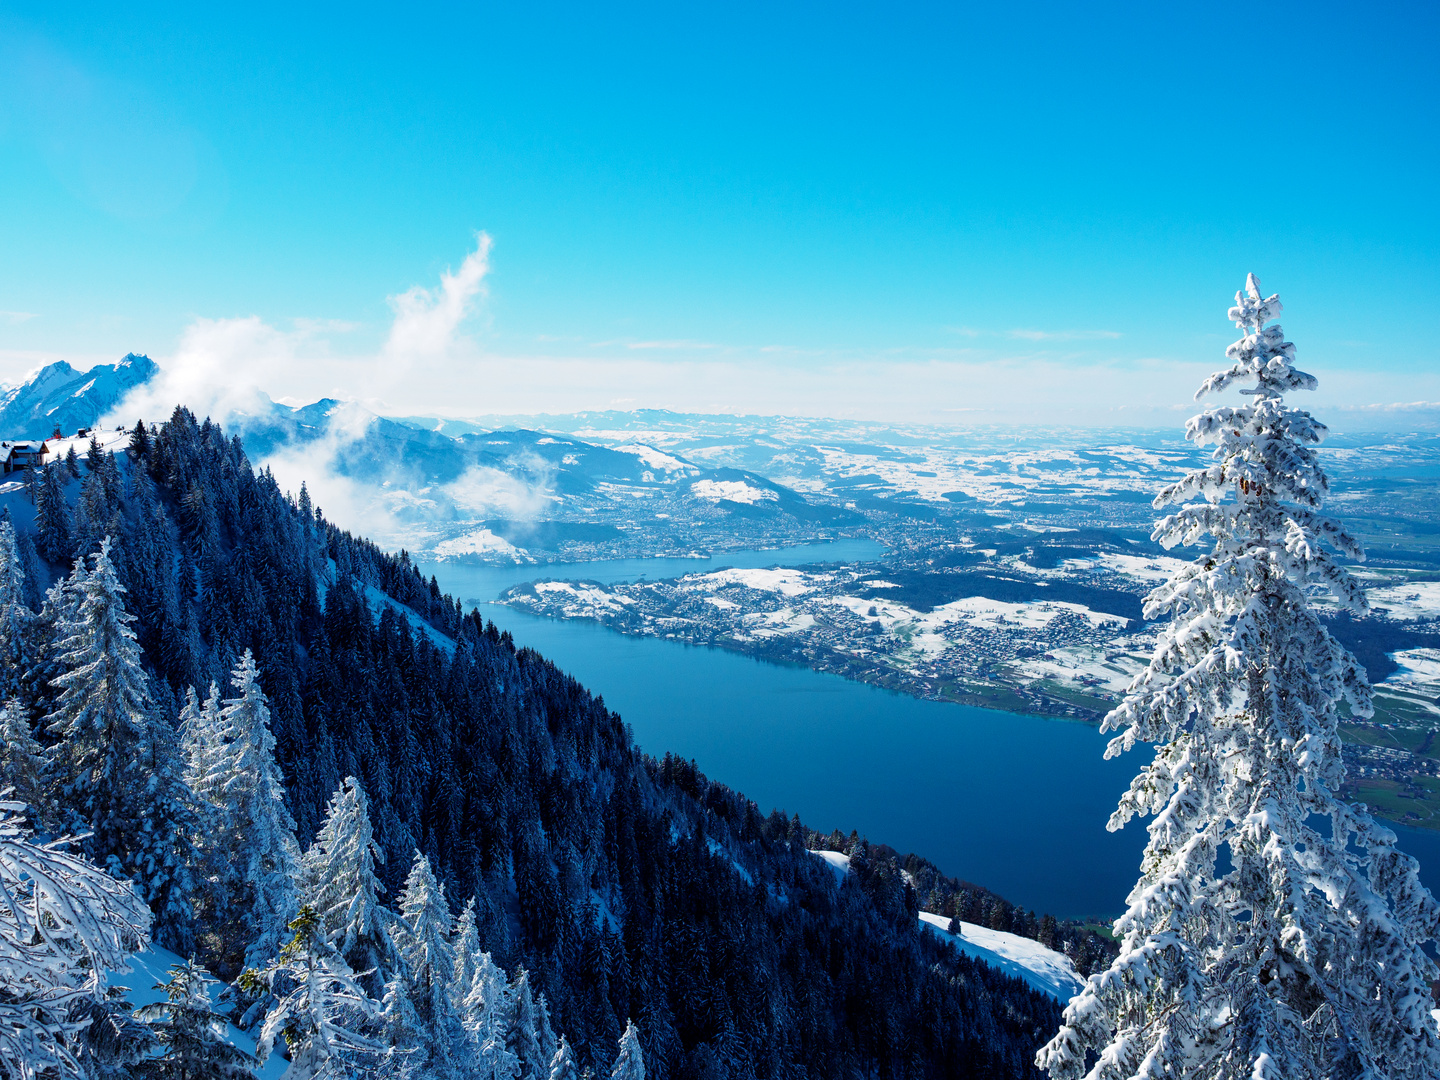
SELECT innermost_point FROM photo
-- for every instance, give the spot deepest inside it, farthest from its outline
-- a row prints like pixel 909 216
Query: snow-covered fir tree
pixel 52 519
pixel 524 1031
pixel 486 1019
pixel 15 617
pixel 1275 933
pixel 254 833
pixel 22 762
pixel 65 927
pixel 113 769
pixel 424 942
pixel 337 880
pixel 325 1017
pixel 563 1065
pixel 630 1062
pixel 190 1033
pixel 466 945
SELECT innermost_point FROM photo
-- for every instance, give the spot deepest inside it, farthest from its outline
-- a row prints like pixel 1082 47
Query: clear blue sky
pixel 815 188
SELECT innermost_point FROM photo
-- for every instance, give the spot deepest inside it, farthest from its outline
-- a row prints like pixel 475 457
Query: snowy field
pixel 1043 969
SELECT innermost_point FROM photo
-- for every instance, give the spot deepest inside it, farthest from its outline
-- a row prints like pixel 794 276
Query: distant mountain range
pixel 59 396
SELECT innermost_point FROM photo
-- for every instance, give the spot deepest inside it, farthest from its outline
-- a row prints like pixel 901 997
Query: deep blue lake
pixel 1015 803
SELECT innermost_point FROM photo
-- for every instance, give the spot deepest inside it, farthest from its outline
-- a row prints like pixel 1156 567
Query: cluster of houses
pixel 18 454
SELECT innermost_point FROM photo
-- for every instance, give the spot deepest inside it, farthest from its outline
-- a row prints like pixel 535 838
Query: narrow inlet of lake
pixel 1017 804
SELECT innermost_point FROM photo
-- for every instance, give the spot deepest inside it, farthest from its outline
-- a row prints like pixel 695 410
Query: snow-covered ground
pixel 152 967
pixel 481 542
pixel 736 491
pixel 1417 600
pixel 1044 969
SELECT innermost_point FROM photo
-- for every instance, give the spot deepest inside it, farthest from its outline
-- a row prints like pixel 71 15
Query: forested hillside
pixel 628 889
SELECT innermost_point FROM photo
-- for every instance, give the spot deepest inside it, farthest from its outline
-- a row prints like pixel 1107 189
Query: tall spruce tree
pixel 424 940
pixel 254 834
pixel 15 617
pixel 337 880
pixel 52 518
pixel 114 769
pixel 328 1022
pixel 99 722
pixel 1275 933
pixel 630 1062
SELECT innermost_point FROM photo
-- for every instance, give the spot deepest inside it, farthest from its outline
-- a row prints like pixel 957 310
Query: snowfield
pixel 480 542
pixel 736 491
pixel 1406 603
pixel 1043 969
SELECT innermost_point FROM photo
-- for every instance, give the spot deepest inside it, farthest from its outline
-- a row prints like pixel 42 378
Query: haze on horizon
pixel 941 215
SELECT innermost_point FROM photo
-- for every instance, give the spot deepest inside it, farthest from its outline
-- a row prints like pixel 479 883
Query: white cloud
pixel 15 318
pixel 1063 335
pixel 426 320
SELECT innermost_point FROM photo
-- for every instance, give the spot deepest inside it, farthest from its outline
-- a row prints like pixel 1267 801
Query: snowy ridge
pixel 1043 969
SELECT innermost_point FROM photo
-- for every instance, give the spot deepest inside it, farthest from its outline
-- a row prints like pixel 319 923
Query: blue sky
pixel 999 211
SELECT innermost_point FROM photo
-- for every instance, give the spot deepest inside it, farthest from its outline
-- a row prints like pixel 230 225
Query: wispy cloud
pixel 1025 334
pixel 17 317
pixel 317 327
pixel 673 344
pixel 426 320
pixel 1063 335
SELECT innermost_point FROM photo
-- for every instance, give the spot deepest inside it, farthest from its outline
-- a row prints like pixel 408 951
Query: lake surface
pixel 1015 803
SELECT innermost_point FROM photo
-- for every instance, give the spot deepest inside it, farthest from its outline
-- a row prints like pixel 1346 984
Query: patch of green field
pixel 1387 799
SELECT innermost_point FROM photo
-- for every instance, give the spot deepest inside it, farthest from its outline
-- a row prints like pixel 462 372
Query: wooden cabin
pixel 25 454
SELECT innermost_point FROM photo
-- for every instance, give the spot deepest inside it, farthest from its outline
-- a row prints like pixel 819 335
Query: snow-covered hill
pixel 58 395
pixel 1043 969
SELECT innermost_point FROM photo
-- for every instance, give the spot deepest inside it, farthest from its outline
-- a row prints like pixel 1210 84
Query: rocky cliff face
pixel 58 395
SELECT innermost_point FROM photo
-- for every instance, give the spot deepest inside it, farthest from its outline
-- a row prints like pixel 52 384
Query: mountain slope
pixel 630 888
pixel 59 396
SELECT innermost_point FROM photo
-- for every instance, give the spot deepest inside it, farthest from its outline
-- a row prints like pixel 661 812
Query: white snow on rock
pixel 731 491
pixel 479 542
pixel 837 861
pixel 1043 969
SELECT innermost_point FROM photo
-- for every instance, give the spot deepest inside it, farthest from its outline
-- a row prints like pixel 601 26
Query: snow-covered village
pixel 729 542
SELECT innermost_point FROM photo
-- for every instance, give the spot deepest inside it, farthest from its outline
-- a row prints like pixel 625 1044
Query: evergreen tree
pixel 255 834
pixel 22 763
pixel 467 953
pixel 65 927
pixel 487 1021
pixel 1300 955
pixel 94 455
pixel 523 1037
pixel 52 518
pixel 139 446
pixel 630 1063
pixel 99 723
pixel 190 1033
pixel 323 1014
pixel 15 617
pixel 424 941
pixel 563 1065
pixel 338 882
pixel 72 463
